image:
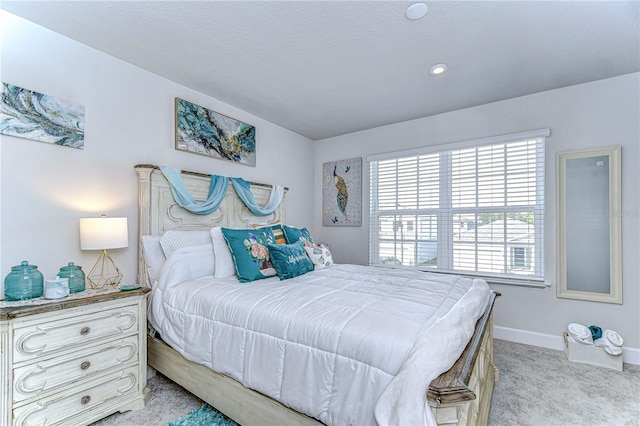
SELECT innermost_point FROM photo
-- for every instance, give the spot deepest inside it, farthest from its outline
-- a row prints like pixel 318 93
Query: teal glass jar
pixel 24 282
pixel 75 275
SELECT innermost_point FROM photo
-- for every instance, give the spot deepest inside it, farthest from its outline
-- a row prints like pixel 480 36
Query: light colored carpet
pixel 541 387
pixel 537 387
pixel 168 402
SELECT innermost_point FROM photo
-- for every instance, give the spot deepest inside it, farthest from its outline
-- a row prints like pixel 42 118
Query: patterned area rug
pixel 205 416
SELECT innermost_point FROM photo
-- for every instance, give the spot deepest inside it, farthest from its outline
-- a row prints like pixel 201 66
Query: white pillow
pixel 153 257
pixel 224 265
pixel 174 239
pixel 320 256
pixel 186 264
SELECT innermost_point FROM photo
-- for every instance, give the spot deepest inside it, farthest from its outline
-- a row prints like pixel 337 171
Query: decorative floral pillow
pixel 320 256
pixel 295 235
pixel 250 253
pixel 290 260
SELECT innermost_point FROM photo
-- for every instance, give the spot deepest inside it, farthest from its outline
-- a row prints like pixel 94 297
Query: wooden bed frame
pixel 460 396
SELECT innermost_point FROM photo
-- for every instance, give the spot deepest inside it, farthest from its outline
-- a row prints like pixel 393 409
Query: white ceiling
pixel 326 68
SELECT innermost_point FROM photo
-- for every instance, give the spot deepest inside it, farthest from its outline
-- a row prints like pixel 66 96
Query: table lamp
pixel 103 233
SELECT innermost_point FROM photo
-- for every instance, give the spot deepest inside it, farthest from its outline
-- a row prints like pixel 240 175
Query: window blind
pixel 473 209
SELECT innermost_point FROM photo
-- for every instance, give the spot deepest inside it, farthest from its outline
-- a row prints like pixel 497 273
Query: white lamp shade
pixel 100 233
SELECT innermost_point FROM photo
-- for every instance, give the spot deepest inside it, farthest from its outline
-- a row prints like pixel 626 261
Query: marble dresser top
pixel 9 310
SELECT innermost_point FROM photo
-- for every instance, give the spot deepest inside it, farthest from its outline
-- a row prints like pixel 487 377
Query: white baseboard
pixel 549 341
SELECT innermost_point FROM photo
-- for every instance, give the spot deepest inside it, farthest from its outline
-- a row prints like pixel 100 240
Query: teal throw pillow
pixel 250 253
pixel 290 260
pixel 295 235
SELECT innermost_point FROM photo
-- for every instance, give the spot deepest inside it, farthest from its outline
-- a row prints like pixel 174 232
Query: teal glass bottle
pixel 24 282
pixel 75 275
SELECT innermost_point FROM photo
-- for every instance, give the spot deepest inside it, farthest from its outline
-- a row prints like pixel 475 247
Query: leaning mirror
pixel 589 234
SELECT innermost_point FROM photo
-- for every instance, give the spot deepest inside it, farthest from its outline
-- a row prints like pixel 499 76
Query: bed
pixel 460 395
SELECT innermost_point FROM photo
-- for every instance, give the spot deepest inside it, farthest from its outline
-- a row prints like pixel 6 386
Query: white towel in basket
pixel 611 342
pixel 580 333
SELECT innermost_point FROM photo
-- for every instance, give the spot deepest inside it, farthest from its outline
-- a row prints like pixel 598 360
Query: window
pixel 475 208
pixel 520 258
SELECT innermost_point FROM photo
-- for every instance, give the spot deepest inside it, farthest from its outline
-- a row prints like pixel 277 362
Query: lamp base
pixel 104 273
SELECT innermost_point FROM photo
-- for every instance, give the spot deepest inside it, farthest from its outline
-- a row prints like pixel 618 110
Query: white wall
pixel 597 114
pixel 129 120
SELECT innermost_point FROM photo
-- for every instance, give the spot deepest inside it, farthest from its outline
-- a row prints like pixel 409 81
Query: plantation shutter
pixel 475 208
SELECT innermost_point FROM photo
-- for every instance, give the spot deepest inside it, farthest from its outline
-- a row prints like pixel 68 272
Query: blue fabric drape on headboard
pixel 217 190
pixel 243 189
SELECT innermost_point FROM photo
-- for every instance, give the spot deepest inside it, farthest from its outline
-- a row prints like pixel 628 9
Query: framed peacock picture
pixel 342 193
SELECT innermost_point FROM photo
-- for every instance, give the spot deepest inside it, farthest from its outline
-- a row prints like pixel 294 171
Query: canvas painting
pixel 202 131
pixel 342 193
pixel 32 115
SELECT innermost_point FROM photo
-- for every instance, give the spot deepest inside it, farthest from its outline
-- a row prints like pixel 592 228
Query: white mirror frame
pixel 615 237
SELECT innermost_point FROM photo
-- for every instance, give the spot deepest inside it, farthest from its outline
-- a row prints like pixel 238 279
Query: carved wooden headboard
pixel 158 212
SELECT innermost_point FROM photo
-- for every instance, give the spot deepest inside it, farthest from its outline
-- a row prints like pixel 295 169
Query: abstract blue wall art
pixel 342 193
pixel 202 131
pixel 32 115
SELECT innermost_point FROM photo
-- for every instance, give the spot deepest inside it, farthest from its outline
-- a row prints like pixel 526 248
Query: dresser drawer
pixel 41 338
pixel 34 379
pixel 62 408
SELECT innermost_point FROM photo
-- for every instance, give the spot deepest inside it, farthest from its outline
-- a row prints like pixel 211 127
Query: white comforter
pixel 327 343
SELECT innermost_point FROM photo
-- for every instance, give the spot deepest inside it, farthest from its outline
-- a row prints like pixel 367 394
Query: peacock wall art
pixel 342 193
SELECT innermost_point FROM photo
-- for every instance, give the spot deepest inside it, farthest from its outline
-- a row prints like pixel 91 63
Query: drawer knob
pixel 84 331
pixel 85 365
pixel 85 399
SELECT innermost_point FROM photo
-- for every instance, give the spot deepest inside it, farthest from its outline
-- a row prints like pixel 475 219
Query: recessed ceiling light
pixel 438 69
pixel 416 11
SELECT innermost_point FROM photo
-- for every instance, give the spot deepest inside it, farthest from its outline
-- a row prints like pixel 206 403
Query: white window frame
pixel 444 234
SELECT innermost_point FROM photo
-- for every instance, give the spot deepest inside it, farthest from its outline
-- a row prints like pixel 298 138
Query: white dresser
pixel 73 361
